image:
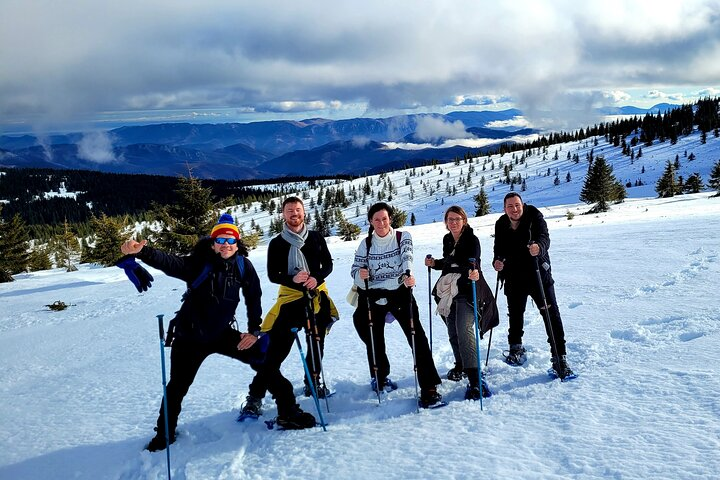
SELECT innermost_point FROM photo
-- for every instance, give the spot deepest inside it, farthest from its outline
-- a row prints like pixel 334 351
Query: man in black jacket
pixel 203 325
pixel 521 248
pixel 299 261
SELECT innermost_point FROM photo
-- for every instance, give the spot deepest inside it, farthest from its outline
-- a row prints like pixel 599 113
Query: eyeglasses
pixel 454 219
pixel 223 241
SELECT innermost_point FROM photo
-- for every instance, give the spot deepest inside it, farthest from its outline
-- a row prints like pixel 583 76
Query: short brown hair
pixel 458 210
pixel 292 200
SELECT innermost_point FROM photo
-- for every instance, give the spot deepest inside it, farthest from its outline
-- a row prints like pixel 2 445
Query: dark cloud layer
pixel 70 62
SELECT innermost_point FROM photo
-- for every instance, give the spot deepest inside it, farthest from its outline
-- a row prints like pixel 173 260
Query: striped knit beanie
pixel 225 226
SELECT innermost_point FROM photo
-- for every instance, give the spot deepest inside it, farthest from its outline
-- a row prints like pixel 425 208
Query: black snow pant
pixel 517 301
pixel 186 356
pixel 268 377
pixel 399 304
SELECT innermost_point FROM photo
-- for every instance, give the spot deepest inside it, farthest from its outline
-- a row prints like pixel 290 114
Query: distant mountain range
pixel 265 149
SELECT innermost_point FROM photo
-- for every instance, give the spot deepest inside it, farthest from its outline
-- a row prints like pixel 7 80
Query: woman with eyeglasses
pixel 215 272
pixel 454 296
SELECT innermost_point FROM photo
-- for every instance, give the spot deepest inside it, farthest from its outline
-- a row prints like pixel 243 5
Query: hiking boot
pixel 561 368
pixel 322 391
pixel 474 389
pixel 456 373
pixel 296 419
pixel 472 393
pixel 387 385
pixel 516 355
pixel 429 398
pixel 158 442
pixel 252 407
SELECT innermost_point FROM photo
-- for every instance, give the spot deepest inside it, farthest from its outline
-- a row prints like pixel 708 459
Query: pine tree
pixel 694 184
pixel 39 259
pixel 482 204
pixel 398 217
pixel 346 230
pixel 715 178
pixel 65 246
pixel 14 256
pixel 601 187
pixel 667 185
pixel 185 222
pixel 109 234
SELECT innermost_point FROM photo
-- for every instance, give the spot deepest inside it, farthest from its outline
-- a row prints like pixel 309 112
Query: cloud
pixel 279 57
pixel 434 128
pixel 96 147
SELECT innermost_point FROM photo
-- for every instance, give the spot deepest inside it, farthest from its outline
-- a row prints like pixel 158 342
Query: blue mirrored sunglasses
pixel 223 241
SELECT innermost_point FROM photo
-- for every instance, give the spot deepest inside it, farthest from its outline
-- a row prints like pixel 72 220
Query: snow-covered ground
pixel 637 287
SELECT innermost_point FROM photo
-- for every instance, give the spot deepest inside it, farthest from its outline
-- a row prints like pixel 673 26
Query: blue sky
pixel 83 64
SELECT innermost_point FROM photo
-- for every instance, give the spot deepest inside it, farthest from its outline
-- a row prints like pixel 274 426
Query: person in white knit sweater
pixel 380 271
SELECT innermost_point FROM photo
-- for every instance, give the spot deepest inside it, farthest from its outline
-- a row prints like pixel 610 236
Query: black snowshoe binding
pixel 387 385
pixel 516 355
pixel 252 409
pixel 456 374
pixel 296 419
pixel 560 369
pixel 430 398
pixel 322 391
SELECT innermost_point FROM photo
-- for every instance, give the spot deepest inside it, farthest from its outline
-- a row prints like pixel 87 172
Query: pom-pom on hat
pixel 225 226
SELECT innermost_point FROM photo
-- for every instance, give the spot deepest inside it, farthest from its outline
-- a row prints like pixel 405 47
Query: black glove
pixel 140 277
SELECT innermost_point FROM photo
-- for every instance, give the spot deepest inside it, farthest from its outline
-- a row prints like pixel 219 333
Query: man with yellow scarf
pixel 298 260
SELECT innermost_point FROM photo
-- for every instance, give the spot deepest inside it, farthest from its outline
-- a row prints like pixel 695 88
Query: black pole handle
pixel 160 326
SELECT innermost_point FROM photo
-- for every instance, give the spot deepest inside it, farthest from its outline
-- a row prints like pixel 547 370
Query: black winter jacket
pixel 468 246
pixel 316 254
pixel 511 247
pixel 210 308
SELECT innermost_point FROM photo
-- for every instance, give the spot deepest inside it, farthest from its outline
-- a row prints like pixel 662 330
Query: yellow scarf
pixel 287 295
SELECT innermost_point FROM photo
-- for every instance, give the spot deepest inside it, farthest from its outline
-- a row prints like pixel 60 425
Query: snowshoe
pixel 296 419
pixel 561 370
pixel 431 399
pixel 515 356
pixel 456 374
pixel 387 385
pixel 251 409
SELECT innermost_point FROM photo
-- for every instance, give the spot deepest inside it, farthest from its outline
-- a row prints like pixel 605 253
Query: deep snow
pixel 80 388
pixel 637 288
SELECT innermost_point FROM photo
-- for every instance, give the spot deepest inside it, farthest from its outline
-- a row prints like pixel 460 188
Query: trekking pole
pixel 429 303
pixel 473 266
pixel 372 342
pixel 412 344
pixel 165 407
pixel 316 333
pixel 307 375
pixel 497 286
pixel 546 311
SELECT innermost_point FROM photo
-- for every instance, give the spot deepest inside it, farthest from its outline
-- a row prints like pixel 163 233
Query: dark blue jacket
pixel 210 308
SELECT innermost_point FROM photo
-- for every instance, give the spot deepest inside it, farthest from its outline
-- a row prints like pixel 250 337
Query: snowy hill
pixel 636 287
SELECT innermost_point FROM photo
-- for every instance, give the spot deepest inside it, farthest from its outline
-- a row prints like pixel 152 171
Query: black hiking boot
pixel 516 355
pixel 561 369
pixel 296 419
pixel 456 373
pixel 158 442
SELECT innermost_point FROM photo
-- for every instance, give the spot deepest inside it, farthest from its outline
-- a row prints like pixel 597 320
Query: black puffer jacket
pixel 210 308
pixel 511 246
